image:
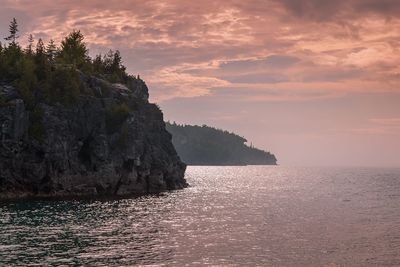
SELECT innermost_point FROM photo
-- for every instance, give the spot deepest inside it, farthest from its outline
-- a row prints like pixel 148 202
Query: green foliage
pixel 26 83
pixel 51 51
pixel 51 74
pixel 29 48
pixel 110 67
pixel 10 58
pixel 41 61
pixel 116 116
pixel 203 145
pixel 36 128
pixel 73 50
pixel 64 85
pixel 47 73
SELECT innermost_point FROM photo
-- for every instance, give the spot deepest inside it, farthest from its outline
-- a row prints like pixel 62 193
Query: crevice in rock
pixel 128 165
pixel 85 153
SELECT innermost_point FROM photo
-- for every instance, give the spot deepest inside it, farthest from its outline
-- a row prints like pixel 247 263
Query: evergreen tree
pixel 13 32
pixel 33 72
pixel 108 61
pixel 29 49
pixel 113 67
pixel 73 50
pixel 40 49
pixel 117 60
pixel 51 51
pixel 41 61
pixel 26 81
pixel 98 66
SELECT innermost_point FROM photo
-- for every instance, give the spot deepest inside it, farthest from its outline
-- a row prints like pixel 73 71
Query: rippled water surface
pixel 231 216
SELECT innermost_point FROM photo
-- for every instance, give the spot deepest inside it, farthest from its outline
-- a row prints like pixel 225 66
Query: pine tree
pixel 117 60
pixel 13 32
pixel 98 66
pixel 73 50
pixel 29 49
pixel 51 51
pixel 40 50
pixel 41 61
pixel 108 61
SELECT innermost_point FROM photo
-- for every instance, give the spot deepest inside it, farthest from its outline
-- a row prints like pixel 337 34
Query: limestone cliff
pixel 111 141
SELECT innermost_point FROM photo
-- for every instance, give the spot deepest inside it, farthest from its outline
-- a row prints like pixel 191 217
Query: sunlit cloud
pixel 293 50
pixel 302 78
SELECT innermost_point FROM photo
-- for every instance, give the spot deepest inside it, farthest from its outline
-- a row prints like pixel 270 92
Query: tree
pixel 13 32
pixel 40 47
pixel 29 49
pixel 64 85
pixel 51 51
pixel 98 66
pixel 117 60
pixel 33 72
pixel 26 80
pixel 73 50
pixel 113 67
pixel 41 61
pixel 108 61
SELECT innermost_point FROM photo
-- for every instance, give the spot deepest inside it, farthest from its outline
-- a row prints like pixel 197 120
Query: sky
pixel 316 82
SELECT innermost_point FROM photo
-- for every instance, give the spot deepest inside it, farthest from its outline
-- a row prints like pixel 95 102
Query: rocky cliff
pixel 110 141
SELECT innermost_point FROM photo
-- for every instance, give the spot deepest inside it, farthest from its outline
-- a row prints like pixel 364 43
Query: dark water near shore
pixel 231 216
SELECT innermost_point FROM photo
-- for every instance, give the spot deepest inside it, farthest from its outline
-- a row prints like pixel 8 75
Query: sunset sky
pixel 317 82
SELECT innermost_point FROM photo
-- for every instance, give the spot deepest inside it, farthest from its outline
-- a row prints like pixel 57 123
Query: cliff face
pixel 111 141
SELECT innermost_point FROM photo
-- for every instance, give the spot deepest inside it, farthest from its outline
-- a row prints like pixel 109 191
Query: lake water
pixel 230 216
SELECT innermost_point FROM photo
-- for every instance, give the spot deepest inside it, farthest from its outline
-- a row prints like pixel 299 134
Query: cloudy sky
pixel 317 82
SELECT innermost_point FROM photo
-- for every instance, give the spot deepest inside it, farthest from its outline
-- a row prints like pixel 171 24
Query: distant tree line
pixel 204 145
pixel 47 72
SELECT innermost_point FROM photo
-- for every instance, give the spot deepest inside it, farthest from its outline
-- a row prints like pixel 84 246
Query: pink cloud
pixel 189 49
pixel 313 81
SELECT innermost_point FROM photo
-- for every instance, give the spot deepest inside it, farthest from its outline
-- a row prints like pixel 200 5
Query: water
pixel 231 216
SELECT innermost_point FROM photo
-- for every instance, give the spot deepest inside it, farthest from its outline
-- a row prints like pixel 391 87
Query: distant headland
pixel 204 145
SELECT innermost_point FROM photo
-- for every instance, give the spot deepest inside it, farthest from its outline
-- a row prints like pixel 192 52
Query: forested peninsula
pixel 72 125
pixel 204 145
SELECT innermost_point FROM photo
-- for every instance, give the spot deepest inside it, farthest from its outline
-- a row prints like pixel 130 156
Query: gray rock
pixel 78 154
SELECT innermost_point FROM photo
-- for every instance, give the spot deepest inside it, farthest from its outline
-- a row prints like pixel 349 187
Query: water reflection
pixel 76 232
pixel 231 216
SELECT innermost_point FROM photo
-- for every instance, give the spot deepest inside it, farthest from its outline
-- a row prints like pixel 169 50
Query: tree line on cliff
pixel 47 72
pixel 204 145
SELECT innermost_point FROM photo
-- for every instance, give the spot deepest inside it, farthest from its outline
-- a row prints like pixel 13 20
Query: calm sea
pixel 230 216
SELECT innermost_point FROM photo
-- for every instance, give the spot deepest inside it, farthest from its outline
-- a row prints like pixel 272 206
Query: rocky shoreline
pixel 111 142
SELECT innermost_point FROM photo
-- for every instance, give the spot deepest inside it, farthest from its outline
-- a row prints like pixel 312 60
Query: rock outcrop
pixel 111 141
